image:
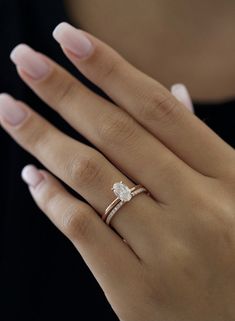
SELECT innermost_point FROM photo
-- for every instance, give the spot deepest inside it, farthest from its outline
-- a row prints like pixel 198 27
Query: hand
pixel 178 259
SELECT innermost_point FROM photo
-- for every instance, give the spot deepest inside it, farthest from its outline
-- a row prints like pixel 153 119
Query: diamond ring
pixel 123 195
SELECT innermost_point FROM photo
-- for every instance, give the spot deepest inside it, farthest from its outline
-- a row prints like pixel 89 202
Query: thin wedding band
pixel 117 200
pixel 124 195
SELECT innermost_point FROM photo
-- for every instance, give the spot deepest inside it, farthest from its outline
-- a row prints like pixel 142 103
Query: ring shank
pixel 113 208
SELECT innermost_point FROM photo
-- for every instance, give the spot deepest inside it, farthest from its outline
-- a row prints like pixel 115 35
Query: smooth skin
pixel 178 261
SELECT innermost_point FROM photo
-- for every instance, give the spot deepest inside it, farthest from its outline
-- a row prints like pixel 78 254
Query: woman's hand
pixel 178 259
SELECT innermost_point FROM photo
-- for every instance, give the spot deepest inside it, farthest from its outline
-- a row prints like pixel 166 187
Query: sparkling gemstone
pixel 122 192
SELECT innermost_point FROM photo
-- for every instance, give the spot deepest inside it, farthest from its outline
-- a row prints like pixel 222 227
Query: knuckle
pixel 34 134
pixel 64 91
pixel 108 70
pixel 159 107
pixel 116 128
pixel 76 223
pixel 49 198
pixel 74 220
pixel 85 169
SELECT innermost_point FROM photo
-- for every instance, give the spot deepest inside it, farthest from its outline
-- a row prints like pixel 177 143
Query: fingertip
pixel 30 61
pixel 19 50
pixel 60 29
pixel 177 88
pixel 31 175
pixel 181 93
pixel 73 40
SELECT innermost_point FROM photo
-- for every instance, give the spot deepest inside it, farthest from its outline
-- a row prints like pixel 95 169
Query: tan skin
pixel 178 261
pixel 173 41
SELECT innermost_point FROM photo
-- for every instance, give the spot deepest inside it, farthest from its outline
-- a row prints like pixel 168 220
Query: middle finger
pixel 126 143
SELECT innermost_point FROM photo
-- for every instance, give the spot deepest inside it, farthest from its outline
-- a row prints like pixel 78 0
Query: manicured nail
pixel 31 175
pixel 182 94
pixel 73 39
pixel 11 111
pixel 30 61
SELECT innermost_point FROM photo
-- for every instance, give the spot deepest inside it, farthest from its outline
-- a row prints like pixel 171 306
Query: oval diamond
pixel 122 192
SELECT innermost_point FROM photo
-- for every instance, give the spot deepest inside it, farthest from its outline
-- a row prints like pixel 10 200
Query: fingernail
pixel 182 94
pixel 30 61
pixel 31 175
pixel 73 39
pixel 11 111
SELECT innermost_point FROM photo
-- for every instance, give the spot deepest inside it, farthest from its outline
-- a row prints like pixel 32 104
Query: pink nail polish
pixel 11 111
pixel 31 175
pixel 30 61
pixel 182 94
pixel 73 40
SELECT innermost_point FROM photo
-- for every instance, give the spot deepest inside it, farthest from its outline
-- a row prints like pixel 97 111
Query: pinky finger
pixel 181 93
pixel 101 248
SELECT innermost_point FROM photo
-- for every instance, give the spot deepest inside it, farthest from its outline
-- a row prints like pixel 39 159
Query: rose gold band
pixel 113 208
